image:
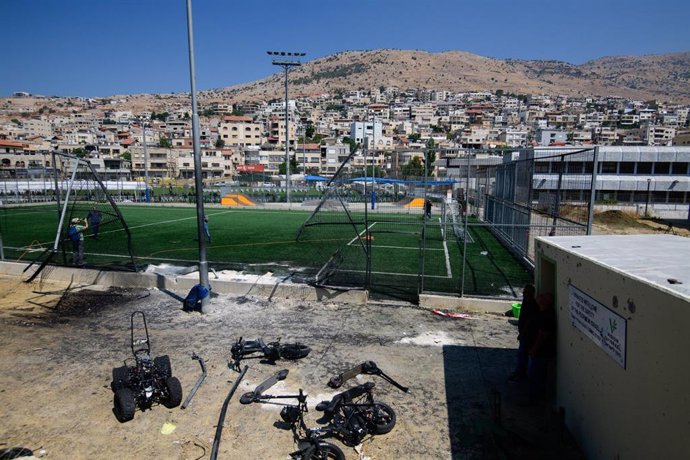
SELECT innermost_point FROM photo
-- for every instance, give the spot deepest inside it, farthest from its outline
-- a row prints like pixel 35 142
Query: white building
pixel 360 130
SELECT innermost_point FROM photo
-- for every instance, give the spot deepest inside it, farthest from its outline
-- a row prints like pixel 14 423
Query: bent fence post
pixel 221 419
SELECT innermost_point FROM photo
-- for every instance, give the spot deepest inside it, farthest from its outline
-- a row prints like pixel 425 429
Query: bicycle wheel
pixel 324 451
pixel 383 418
pixel 294 351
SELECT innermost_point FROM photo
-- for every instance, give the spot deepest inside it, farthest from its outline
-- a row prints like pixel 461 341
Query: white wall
pixel 642 410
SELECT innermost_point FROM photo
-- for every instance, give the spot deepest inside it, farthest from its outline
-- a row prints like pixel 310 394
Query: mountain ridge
pixel 661 76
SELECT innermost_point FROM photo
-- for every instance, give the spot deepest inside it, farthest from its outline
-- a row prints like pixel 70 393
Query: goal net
pixel 91 231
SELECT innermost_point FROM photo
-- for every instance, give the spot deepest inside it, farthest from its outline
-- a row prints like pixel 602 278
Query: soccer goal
pixel 91 230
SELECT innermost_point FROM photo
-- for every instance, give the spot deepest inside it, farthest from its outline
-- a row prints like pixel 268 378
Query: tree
pixel 374 171
pixel 309 131
pixel 126 155
pixel 413 168
pixel 220 143
pixel 413 137
pixel 430 155
pixel 293 166
pixel 165 143
pixel 79 152
pixel 353 144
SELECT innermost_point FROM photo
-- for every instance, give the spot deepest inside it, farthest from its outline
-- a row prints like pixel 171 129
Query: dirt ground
pixel 58 347
pixel 625 223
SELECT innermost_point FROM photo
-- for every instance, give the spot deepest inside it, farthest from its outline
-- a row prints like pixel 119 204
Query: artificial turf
pixel 406 253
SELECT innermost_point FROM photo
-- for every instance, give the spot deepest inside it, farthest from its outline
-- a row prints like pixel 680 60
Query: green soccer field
pixel 406 254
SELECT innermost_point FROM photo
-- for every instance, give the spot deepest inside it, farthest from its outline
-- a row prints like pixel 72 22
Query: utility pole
pixel 286 64
pixel 198 180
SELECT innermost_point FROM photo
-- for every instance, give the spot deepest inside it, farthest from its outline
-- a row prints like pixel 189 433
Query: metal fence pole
pixel 464 238
pixel 593 191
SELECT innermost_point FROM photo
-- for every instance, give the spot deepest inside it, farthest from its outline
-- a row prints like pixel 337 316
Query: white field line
pixel 394 274
pixel 403 247
pixel 449 272
pixel 323 267
pixel 360 235
pixel 144 225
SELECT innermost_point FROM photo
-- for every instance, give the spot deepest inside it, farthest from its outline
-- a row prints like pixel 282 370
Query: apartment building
pixel 548 137
pixel 276 132
pixel 514 137
pixel 422 113
pixel 361 130
pixel 240 131
pixel 309 158
pixel 37 127
pixel 658 135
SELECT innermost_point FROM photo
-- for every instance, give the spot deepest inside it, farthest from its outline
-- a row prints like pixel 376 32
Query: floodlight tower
pixel 286 64
pixel 146 162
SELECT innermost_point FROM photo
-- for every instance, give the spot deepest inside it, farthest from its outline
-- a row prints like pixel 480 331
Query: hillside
pixel 664 77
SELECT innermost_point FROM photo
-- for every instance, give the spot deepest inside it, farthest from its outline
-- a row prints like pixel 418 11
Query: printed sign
pixel 250 168
pixel 603 326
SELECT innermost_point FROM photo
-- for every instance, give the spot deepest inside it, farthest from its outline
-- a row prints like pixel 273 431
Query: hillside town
pixel 385 127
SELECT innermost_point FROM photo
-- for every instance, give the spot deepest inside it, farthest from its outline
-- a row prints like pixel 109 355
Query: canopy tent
pixel 383 180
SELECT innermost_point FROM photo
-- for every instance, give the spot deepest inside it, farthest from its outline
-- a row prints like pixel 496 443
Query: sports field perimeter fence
pixel 487 210
pixel 536 192
pixel 369 226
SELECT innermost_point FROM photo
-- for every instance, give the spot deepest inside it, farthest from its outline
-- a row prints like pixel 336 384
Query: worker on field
pixel 76 235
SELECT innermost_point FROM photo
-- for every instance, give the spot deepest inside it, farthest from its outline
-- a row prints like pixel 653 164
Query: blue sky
pixel 106 47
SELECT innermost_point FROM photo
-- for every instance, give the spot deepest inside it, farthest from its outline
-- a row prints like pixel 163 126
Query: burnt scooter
pixel 268 352
pixel 310 443
pixel 146 381
pixel 354 414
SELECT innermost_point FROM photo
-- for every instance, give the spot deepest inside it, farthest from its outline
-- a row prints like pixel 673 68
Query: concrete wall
pixel 182 284
pixel 639 411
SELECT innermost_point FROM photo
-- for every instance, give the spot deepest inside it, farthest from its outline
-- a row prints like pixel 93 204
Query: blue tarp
pixel 315 178
pixel 383 180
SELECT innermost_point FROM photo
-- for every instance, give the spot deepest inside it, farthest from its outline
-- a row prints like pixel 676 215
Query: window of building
pixel 662 168
pixel 623 196
pixel 644 167
pixel 676 197
pixel 658 197
pixel 609 167
pixel 679 168
pixel 572 195
pixel 640 197
pixel 574 167
pixel 626 167
pixel 541 168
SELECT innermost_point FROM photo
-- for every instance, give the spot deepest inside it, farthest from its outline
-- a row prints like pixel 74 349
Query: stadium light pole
pixel 146 162
pixel 201 236
pixel 304 152
pixel 286 64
